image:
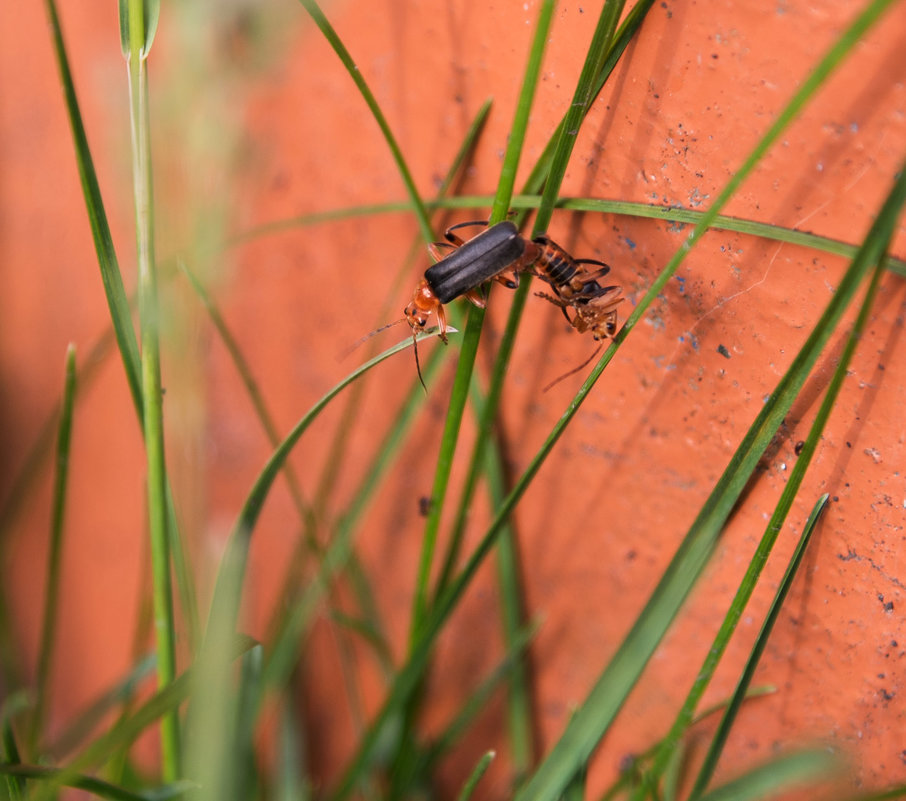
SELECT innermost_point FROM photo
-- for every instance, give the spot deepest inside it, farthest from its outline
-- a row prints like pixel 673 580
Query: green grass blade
pixel 97 218
pixel 93 785
pixel 139 37
pixel 475 703
pixel 777 775
pixel 9 754
pixel 126 730
pixel 421 213
pixel 284 644
pixel 54 553
pixel 527 201
pixel 475 776
pixel 582 99
pixel 224 607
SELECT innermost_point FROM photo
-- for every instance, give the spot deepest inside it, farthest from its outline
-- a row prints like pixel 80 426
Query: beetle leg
pixel 435 251
pixel 455 238
pixel 475 297
pixel 441 323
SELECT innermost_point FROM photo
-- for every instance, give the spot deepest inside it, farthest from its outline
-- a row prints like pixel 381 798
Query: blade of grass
pixel 126 730
pixel 777 775
pixel 100 230
pixel 475 776
pixel 119 695
pixel 138 22
pixel 93 785
pixel 224 608
pixel 477 702
pixel 54 553
pixel 582 99
pixel 9 753
pixel 772 531
pixel 527 201
pixel 315 12
pixel 294 620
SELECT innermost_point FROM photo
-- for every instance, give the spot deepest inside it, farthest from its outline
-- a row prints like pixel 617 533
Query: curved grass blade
pixel 475 776
pixel 777 775
pixel 125 731
pixel 287 627
pixel 315 12
pixel 582 99
pixel 54 553
pixel 94 785
pixel 97 218
pixel 527 201
pixel 224 607
pixel 116 696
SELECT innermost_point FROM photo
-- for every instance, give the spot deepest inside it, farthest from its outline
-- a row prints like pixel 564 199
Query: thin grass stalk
pixel 136 49
pixel 390 444
pixel 125 731
pixel 285 642
pixel 224 607
pixel 478 771
pixel 603 55
pixel 9 751
pixel 772 531
pixel 581 103
pixel 54 552
pixel 335 459
pixel 528 200
pixel 466 363
pixel 100 230
pixel 91 784
pixel 317 15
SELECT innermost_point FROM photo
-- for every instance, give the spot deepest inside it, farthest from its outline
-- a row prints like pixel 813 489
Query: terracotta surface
pixel 254 130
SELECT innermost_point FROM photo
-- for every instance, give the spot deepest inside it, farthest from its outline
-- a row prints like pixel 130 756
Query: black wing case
pixel 476 261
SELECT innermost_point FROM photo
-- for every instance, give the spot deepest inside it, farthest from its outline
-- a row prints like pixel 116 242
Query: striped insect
pixel 576 287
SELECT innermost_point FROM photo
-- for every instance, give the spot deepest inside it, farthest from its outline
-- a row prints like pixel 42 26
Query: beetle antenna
pixel 418 367
pixel 365 338
pixel 575 369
